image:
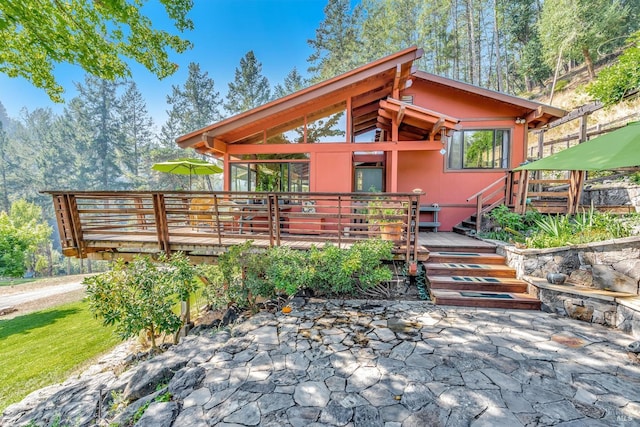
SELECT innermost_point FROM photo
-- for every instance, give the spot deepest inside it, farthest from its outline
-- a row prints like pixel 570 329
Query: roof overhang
pixel 365 85
pixel 535 114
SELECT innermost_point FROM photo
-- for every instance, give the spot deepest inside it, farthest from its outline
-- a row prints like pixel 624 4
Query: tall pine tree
pixel 137 131
pixel 250 88
pixel 335 47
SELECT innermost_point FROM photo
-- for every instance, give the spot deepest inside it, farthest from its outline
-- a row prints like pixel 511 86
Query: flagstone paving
pixel 367 363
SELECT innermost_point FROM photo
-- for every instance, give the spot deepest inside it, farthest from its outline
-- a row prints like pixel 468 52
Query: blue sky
pixel 225 30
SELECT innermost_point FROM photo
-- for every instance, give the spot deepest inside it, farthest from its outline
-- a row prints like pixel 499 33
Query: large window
pixel 479 149
pixel 270 176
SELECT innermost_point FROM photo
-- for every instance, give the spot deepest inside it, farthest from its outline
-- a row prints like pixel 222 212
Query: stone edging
pixel 615 309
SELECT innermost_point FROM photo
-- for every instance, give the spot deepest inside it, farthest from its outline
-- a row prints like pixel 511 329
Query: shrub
pixel 239 277
pixel 243 274
pixel 510 225
pixel 141 295
pixel 585 227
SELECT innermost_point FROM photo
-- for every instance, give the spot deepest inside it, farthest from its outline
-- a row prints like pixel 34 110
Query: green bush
pixel 240 277
pixel 140 295
pixel 585 227
pixel 511 226
pixel 243 274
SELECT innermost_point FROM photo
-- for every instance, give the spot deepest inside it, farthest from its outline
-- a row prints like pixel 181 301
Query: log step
pixel 508 300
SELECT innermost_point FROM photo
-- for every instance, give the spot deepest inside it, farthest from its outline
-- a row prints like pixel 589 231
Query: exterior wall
pixel 426 169
pixel 331 172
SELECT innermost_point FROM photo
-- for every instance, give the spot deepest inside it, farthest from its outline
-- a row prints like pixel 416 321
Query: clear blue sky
pixel 225 30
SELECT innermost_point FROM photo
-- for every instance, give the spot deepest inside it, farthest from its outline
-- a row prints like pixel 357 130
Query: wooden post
pixel 478 212
pixel 583 128
pixel 540 144
pixel 162 228
pixel 394 172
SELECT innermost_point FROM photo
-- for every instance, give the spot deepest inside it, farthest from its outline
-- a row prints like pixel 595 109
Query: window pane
pixel 455 150
pixel 479 149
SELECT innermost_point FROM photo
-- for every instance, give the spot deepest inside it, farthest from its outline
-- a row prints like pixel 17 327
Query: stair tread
pixel 475 279
pixel 486 299
pixel 510 296
pixel 469 266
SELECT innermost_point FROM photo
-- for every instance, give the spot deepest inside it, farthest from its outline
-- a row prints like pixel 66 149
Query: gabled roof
pixel 367 85
pixel 537 114
pixel 374 90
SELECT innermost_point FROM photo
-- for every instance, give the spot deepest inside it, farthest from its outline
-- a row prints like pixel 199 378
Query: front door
pixel 368 179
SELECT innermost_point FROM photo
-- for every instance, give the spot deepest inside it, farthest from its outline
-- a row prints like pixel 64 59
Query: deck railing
pixel 493 195
pixel 202 222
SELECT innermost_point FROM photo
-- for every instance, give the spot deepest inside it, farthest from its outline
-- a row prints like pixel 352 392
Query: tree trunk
pixel 471 42
pixel 589 62
pixel 496 40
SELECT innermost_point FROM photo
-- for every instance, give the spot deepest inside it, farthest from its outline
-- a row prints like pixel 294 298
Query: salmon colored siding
pixel 331 172
pixel 427 169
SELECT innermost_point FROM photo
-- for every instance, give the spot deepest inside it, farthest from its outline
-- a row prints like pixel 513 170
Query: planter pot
pixel 391 231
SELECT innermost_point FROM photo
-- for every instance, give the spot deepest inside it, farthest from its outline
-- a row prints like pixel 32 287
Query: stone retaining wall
pixel 612 264
pixel 604 280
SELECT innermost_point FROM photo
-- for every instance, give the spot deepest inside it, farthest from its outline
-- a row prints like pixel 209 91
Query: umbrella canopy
pixel 617 149
pixel 187 166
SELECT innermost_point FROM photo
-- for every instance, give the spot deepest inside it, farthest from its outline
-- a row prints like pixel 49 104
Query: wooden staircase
pixel 475 277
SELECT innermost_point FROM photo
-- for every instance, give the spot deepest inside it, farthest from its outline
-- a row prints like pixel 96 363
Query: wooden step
pixel 471 257
pixel 464 269
pixel 506 300
pixel 480 284
pixel 482 247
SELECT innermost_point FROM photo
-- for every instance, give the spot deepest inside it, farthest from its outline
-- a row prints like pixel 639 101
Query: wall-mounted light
pixel 520 121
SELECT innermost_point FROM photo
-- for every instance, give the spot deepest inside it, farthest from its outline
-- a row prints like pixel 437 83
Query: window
pixel 271 176
pixel 479 149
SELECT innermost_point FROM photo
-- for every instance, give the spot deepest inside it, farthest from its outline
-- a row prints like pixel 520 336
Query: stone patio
pixel 367 363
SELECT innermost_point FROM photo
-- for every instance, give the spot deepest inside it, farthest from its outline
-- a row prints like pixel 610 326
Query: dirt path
pixel 44 293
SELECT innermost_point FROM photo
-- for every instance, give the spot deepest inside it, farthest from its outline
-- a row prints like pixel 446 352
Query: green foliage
pixel 140 412
pixel 141 295
pixel 250 88
pixel 22 232
pixel 511 226
pixel 577 27
pixel 164 397
pixel 45 347
pixel 591 226
pixel 239 277
pixel 614 82
pixel 97 36
pixel 243 273
pixel 635 178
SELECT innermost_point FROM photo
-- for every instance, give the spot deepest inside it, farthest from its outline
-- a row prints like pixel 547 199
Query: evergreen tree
pixel 4 142
pixel 293 82
pixel 335 47
pixel 98 113
pixel 137 130
pixel 250 88
pixel 575 28
pixel 193 106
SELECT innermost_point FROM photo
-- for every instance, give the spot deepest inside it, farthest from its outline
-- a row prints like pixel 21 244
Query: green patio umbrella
pixel 617 149
pixel 187 166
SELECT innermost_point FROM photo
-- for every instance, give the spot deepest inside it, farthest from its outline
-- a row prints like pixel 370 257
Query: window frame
pixel 506 160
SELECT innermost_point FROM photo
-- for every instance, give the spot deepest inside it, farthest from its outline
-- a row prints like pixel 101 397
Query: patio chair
pixel 202 213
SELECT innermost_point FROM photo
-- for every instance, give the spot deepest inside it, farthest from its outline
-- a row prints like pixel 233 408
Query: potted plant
pixel 387 215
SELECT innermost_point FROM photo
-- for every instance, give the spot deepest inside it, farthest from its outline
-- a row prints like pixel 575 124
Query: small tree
pixel 22 232
pixel 141 295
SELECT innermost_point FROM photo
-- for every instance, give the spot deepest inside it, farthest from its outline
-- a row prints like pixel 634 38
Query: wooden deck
pixel 108 225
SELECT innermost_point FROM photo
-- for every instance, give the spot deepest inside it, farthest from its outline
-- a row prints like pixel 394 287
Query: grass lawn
pixel 45 347
pixel 12 282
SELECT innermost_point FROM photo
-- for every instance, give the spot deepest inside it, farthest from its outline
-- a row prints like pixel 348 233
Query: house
pixel 382 127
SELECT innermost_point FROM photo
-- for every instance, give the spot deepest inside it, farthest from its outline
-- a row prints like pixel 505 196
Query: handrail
pixel 112 222
pixel 487 187
pixel 481 197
